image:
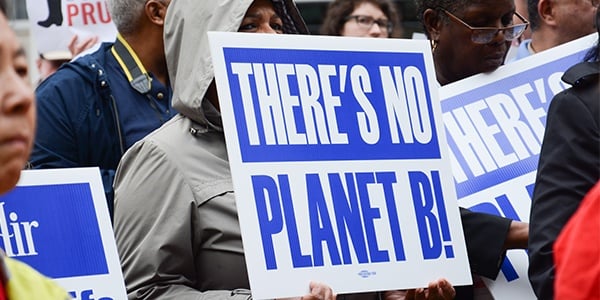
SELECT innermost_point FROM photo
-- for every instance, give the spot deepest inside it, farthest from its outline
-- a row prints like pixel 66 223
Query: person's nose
pixel 375 30
pixel 18 97
pixel 500 37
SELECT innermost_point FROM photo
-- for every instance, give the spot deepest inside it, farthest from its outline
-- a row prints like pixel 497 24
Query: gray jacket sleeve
pixel 154 210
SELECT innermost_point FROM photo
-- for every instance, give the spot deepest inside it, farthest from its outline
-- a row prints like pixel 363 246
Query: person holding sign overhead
pixel 469 37
pixel 362 18
pixel 17 128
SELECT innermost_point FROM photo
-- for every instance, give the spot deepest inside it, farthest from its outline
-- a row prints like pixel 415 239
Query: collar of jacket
pixel 582 73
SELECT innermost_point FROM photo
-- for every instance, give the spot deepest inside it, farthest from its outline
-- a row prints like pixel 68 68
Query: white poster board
pixel 339 163
pixel 54 22
pixel 495 126
pixel 57 222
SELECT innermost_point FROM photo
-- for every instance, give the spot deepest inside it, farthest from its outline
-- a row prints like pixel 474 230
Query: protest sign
pixel 57 222
pixel 495 126
pixel 54 22
pixel 339 163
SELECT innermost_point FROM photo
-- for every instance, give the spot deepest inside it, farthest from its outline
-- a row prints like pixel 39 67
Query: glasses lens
pixel 483 36
pixel 384 25
pixel 364 21
pixel 367 22
pixel 514 31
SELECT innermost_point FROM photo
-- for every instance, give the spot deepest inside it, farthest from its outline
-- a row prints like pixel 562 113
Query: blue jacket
pixel 78 120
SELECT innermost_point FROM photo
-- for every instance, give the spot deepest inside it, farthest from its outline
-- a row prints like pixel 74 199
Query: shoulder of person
pixel 75 74
pixel 24 282
pixel 582 74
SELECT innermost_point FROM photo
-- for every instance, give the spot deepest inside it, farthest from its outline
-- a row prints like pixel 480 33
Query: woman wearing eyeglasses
pixel 362 18
pixel 469 37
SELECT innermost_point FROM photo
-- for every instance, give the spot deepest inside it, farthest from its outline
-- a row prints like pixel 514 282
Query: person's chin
pixel 491 64
pixel 493 61
pixel 9 176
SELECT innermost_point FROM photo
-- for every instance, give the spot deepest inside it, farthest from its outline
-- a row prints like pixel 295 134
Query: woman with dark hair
pixel 469 37
pixel 568 168
pixel 362 18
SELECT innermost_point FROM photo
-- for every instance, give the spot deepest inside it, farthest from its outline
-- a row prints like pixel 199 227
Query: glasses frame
pixel 524 25
pixel 389 27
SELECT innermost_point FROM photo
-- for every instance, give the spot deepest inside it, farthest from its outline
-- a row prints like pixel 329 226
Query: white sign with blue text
pixel 495 126
pixel 339 163
pixel 57 222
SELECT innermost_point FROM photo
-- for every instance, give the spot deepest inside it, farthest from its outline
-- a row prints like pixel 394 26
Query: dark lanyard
pixel 134 70
pixel 138 77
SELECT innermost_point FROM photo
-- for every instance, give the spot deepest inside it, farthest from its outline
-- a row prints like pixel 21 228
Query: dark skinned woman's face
pixel 457 56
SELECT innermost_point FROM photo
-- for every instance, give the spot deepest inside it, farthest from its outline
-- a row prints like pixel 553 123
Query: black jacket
pixel 569 166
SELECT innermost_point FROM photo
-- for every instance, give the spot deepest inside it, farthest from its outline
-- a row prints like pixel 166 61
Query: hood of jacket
pixel 188 52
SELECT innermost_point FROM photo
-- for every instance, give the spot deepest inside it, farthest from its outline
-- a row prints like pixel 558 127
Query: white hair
pixel 126 13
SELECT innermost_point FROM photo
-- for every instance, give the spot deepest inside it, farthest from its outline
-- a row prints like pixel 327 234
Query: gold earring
pixel 434 44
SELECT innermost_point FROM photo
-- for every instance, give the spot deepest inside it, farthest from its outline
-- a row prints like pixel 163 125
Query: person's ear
pixel 156 11
pixel 433 24
pixel 546 10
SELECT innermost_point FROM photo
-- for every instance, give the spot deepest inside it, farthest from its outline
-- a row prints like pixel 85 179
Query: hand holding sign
pixel 318 291
pixel 440 289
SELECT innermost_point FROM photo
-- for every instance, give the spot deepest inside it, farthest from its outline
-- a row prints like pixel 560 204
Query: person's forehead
pixel 370 9
pixel 487 8
pixel 261 3
pixel 489 5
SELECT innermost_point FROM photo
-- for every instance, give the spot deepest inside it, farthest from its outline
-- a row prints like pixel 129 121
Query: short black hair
pixel 452 6
pixel 534 15
pixel 3 7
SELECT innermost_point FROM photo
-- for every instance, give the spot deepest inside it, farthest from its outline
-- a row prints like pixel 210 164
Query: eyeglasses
pixel 366 22
pixel 484 35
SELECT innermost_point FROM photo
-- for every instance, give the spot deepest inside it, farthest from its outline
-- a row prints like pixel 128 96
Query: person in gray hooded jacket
pixel 175 220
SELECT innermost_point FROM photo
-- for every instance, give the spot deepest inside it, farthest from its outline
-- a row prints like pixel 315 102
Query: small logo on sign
pixel 366 274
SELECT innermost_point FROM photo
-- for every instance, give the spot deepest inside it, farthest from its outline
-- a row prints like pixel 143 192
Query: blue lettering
pixel 268 227
pixel 347 216
pixel 369 214
pixel 441 207
pixel 86 295
pixel 298 260
pixel 426 220
pixel 320 222
pixel 387 179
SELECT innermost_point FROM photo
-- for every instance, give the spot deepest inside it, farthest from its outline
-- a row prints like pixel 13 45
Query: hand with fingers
pixel 76 46
pixel 440 289
pixel 318 291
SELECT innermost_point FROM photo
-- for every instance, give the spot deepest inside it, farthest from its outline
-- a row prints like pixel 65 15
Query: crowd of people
pixel 146 111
